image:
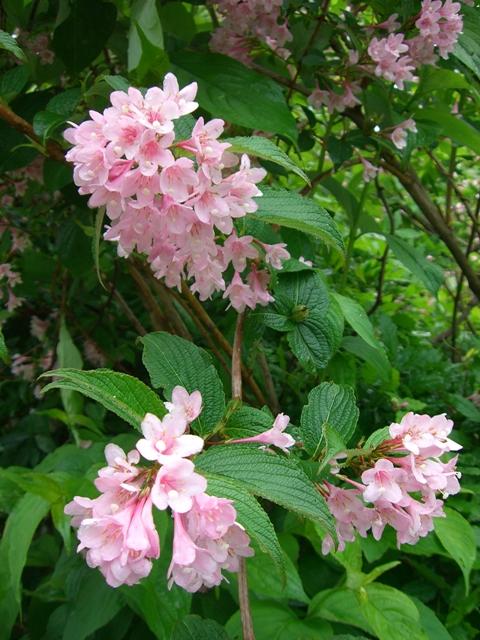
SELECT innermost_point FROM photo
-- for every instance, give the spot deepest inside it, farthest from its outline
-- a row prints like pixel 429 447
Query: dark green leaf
pixel 289 209
pixel 172 361
pixel 458 538
pixel 329 405
pixel 196 628
pixel 228 90
pixel 126 396
pixel 9 43
pixel 271 476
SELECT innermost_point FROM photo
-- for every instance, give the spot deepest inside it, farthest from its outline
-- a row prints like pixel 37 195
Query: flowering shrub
pixel 238 262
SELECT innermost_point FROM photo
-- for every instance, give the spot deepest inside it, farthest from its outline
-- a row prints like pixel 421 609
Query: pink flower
pixel 239 294
pixel 383 483
pixel 423 435
pixel 184 405
pixel 274 436
pixel 175 485
pixel 258 282
pixel 370 171
pixel 275 254
pixel 238 250
pixel 206 540
pixel 399 134
pixel 121 470
pixel 166 437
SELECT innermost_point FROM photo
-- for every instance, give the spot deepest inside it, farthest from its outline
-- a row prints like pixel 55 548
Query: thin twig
pixel 139 328
pixel 158 320
pixel 269 386
pixel 243 596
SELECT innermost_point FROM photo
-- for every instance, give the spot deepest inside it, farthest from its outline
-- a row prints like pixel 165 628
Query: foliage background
pixel 417 349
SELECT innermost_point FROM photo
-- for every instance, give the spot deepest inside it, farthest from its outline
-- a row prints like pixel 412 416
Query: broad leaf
pixel 246 422
pixel 172 361
pixel 195 628
pixel 228 90
pixel 289 209
pixel 457 536
pixel 412 259
pixel 467 49
pixel 9 43
pixel 375 358
pixel 125 395
pixel 274 477
pixel 452 126
pixel 267 150
pixel 69 357
pixel 329 405
pixel 94 605
pixel 17 537
pixel 81 37
pixel 250 515
pixel 357 318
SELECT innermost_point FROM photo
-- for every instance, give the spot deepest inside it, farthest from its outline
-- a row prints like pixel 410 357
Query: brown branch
pixel 159 322
pixel 269 386
pixel 139 328
pixel 50 148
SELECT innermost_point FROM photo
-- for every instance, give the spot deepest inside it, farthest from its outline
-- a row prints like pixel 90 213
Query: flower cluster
pixel 247 23
pixel 401 487
pixel 336 101
pixel 439 24
pixel 116 530
pixel 171 199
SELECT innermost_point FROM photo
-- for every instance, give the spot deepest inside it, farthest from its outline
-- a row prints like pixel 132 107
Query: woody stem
pixel 245 613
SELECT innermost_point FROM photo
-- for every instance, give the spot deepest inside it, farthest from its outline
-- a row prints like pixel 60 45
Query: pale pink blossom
pixel 185 406
pixel 238 250
pixel 276 254
pixel 275 436
pixel 239 294
pixel 166 437
pixel 383 483
pixel 424 435
pixel 399 134
pixel 175 485
pixel 370 171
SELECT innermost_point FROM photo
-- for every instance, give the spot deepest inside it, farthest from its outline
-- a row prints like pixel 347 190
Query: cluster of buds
pixel 173 200
pixel 401 487
pixel 116 530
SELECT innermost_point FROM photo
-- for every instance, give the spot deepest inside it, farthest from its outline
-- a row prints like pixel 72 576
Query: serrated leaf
pixel 412 259
pixel 183 127
pixel 264 148
pixel 289 209
pixel 246 422
pixel 357 318
pixel 274 477
pixel 458 538
pixel 172 361
pixel 194 627
pixel 12 82
pixel 331 405
pixel 250 515
pixel 120 393
pixel 9 43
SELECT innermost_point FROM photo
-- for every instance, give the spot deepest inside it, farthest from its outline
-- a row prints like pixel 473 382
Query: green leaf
pixel 65 103
pixel 3 348
pixel 266 581
pixel 80 38
pixel 250 515
pixel 228 89
pixel 172 361
pixel 412 259
pixel 160 607
pixel 329 405
pixel 466 407
pixel 275 621
pixel 430 623
pixel 94 605
pixel 183 127
pixel 56 175
pixel 267 150
pixel 247 421
pixel 9 43
pixel 118 83
pixel 274 477
pixel 12 82
pixel 69 358
pixel 46 122
pixel 375 358
pixel 289 209
pixel 458 538
pixel 17 537
pixel 435 79
pixel 467 49
pixel 146 53
pixel 452 126
pixel 357 318
pixel 125 395
pixel 377 437
pixel 97 236
pixel 193 627
pixel 39 484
